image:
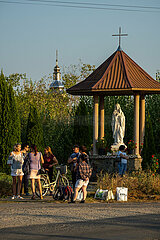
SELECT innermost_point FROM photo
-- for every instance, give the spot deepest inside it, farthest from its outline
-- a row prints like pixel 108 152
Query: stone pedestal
pixel 134 163
pixel 109 164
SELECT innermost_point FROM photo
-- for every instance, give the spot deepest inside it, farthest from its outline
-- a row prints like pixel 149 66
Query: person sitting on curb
pixel 123 156
pixel 83 174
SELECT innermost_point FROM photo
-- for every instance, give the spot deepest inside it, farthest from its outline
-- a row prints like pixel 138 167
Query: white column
pixel 101 106
pixel 95 123
pixel 136 123
pixel 142 118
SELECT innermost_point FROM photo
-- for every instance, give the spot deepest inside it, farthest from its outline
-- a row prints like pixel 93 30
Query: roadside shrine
pixel 118 75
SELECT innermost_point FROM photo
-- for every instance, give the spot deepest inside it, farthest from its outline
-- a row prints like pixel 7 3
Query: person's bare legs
pixel 84 190
pixel 75 193
pixel 19 184
pixel 39 187
pixel 33 187
pixel 14 185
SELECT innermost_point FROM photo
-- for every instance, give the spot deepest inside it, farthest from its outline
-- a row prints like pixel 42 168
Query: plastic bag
pixel 104 194
pixel 122 193
pixel 110 195
pixel 101 194
pixel 80 195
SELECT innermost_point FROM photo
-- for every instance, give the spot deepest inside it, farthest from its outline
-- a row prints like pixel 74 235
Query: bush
pixel 140 184
pixel 5 185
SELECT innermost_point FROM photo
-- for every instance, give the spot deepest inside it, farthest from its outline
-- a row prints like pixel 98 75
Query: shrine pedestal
pixel 109 164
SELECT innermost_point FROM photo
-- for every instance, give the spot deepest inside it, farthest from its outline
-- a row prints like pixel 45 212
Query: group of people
pixel 25 164
pixel 80 168
pixel 20 158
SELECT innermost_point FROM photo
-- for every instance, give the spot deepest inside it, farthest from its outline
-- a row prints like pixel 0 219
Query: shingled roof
pixel 118 75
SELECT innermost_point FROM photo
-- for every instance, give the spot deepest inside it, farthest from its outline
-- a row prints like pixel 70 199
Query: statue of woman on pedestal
pixel 118 125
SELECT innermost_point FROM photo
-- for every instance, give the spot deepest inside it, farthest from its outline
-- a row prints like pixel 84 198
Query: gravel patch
pixel 19 214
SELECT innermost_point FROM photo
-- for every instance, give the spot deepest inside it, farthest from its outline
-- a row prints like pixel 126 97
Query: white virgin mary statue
pixel 118 125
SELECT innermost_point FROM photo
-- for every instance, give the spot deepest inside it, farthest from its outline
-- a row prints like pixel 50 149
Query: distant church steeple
pixel 57 84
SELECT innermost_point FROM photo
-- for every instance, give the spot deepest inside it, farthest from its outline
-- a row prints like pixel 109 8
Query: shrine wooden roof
pixel 118 75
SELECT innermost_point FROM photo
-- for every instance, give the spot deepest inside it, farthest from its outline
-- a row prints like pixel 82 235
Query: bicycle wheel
pixel 63 181
pixel 44 184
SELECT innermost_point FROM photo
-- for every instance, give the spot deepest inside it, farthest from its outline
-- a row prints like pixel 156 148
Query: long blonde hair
pixel 16 146
pixel 49 150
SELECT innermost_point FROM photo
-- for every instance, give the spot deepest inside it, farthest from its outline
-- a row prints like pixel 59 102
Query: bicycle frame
pixel 54 183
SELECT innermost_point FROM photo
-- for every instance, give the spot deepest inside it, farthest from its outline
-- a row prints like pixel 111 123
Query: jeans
pixel 123 168
pixel 119 168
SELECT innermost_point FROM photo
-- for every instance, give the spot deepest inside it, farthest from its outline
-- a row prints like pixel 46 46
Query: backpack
pixel 59 194
pixel 64 193
pixel 68 193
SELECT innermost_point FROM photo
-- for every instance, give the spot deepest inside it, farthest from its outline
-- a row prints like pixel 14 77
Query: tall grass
pixel 5 185
pixel 140 184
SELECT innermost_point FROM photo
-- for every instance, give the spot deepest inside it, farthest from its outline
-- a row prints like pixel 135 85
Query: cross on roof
pixel 120 35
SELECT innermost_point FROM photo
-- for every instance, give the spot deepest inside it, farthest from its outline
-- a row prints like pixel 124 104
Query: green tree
pixel 15 79
pixel 5 124
pixel 15 135
pixel 59 136
pixel 34 129
pixel 149 144
pixel 82 129
pixel 152 106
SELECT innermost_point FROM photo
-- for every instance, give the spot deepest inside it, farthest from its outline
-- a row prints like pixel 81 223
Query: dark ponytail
pixel 34 147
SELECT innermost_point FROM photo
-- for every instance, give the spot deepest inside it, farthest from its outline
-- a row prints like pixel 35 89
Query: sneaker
pixel 33 197
pixel 82 201
pixel 13 197
pixel 27 194
pixel 19 197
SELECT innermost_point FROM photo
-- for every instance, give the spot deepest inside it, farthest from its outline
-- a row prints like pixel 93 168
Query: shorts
pixel 34 174
pixel 16 172
pixel 80 183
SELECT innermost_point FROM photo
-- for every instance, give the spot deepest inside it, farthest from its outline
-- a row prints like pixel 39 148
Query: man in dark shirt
pixel 72 160
pixel 25 176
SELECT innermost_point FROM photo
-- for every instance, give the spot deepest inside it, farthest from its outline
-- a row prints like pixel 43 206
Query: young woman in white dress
pixel 15 161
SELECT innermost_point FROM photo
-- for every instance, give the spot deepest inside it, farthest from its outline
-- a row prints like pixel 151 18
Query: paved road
pixel 89 221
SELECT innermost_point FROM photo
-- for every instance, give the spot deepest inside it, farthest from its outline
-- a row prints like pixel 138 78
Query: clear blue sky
pixel 31 34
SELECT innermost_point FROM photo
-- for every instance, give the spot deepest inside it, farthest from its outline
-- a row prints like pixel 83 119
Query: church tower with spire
pixel 57 84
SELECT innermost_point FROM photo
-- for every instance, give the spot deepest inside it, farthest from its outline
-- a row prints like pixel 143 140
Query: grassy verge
pixel 5 185
pixel 141 185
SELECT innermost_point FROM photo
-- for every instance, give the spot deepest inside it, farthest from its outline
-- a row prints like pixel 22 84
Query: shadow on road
pixel 132 227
